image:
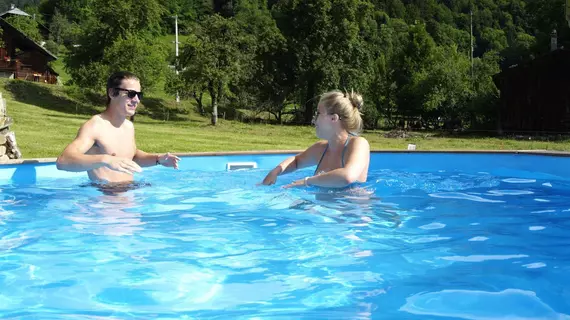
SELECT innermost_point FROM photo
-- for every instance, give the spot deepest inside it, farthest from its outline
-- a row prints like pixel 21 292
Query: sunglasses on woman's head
pixel 131 93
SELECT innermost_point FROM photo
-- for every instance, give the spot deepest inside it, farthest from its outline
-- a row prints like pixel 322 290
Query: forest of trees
pixel 411 59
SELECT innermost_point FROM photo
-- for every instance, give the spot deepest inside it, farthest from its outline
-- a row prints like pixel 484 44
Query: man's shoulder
pixel 94 121
pixel 98 122
pixel 129 124
pixel 94 124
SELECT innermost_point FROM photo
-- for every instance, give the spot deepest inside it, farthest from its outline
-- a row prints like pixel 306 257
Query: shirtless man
pixel 105 145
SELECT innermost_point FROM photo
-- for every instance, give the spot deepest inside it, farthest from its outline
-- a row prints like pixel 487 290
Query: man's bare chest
pixel 120 143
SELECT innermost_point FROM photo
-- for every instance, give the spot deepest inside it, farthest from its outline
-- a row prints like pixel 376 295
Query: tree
pixel 144 58
pixel 109 34
pixel 62 31
pixel 78 11
pixel 493 40
pixel 186 87
pixel 413 63
pixel 216 56
pixel 271 79
pixel 547 16
pixel 326 42
pixel 382 91
pixel 447 84
pixel 483 109
pixel 27 25
pixel 188 12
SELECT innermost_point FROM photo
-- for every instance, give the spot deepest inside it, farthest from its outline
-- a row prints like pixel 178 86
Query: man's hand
pixel 169 160
pixel 122 165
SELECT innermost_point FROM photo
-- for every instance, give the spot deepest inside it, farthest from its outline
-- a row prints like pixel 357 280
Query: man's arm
pixel 145 159
pixel 73 157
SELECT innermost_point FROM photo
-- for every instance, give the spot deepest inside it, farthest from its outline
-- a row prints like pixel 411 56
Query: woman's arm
pixel 358 158
pixel 304 159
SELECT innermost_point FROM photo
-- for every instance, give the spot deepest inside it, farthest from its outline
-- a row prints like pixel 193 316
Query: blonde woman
pixel 342 157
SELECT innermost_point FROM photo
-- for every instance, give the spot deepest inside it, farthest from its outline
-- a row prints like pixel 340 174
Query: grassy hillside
pixel 47 118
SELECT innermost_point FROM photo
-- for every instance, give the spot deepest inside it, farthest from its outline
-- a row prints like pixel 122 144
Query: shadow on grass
pixel 183 122
pixel 72 100
pixel 474 135
pixel 69 116
pixel 159 109
pixel 46 97
pixel 514 135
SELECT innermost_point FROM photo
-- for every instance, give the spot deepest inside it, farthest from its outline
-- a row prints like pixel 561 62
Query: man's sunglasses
pixel 131 93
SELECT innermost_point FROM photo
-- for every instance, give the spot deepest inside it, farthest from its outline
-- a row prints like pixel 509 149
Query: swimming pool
pixel 436 236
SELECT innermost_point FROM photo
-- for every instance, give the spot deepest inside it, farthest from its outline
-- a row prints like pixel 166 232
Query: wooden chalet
pixel 23 58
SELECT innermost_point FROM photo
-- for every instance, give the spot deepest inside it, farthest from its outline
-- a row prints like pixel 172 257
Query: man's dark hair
pixel 115 80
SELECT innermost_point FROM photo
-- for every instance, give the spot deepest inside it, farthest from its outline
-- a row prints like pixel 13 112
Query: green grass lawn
pixel 58 66
pixel 47 118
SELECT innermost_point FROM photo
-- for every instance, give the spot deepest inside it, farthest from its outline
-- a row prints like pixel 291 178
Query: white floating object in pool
pixel 433 226
pixel 535 265
pixel 536 228
pixel 230 166
pixel 516 180
pixel 478 239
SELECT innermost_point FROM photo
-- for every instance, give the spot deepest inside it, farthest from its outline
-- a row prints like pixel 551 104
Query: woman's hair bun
pixel 355 99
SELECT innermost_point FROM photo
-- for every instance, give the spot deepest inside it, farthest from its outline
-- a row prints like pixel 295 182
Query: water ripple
pixel 214 245
pixel 462 196
pixel 479 305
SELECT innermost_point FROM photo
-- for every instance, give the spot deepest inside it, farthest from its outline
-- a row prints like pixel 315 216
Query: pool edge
pixel 262 152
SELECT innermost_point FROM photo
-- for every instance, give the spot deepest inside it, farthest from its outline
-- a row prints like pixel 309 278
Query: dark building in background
pixel 535 95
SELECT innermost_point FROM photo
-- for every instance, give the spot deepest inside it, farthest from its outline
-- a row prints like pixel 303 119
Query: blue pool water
pixel 429 236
